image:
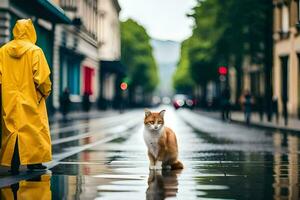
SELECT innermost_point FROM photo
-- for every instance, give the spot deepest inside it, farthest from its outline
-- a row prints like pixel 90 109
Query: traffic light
pixel 123 86
pixel 223 70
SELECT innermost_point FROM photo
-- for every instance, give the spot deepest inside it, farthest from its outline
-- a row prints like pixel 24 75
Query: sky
pixel 163 19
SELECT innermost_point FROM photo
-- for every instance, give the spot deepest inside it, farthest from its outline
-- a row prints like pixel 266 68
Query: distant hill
pixel 166 53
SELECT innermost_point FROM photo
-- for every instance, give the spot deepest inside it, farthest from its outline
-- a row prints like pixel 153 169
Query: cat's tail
pixel 177 165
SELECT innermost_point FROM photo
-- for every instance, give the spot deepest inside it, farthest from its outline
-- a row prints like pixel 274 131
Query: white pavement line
pixel 92 122
pixel 58 157
pixel 81 163
pixel 88 134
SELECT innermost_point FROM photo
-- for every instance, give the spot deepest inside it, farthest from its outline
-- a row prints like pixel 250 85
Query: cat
pixel 161 142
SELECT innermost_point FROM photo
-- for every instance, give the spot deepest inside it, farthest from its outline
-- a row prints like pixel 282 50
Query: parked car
pixel 183 101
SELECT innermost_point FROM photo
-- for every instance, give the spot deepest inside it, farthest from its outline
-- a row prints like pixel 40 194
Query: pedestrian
pixel 65 102
pixel 247 104
pixel 86 103
pixel 225 104
pixel 25 85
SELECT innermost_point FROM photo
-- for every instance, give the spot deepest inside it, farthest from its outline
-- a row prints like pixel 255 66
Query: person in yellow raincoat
pixel 25 85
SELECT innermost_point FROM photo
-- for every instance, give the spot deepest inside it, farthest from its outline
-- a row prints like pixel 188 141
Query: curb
pixel 257 125
pixel 283 129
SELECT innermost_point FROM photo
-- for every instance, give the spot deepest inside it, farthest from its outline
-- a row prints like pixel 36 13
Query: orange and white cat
pixel 161 142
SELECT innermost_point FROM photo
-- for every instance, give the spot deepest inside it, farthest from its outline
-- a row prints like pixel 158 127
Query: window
pixel 73 77
pixel 285 19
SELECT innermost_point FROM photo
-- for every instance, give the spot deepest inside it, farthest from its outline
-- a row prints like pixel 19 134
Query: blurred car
pixel 183 101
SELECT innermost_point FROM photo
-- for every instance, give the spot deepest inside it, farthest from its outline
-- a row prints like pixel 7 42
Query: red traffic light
pixel 123 86
pixel 222 70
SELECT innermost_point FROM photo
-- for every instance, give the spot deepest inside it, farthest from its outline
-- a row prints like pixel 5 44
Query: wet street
pixel 105 158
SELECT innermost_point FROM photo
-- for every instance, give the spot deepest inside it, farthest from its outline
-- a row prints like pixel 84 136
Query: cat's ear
pixel 162 113
pixel 147 112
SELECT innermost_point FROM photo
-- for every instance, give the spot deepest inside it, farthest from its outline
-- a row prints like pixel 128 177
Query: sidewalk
pixel 238 117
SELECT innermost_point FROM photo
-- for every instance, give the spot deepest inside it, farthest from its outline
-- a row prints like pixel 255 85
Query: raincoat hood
pixel 24 38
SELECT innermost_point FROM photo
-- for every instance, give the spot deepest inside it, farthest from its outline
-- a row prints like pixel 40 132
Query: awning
pixel 44 9
pixel 112 67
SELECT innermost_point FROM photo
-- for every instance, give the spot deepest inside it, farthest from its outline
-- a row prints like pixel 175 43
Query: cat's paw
pixel 152 167
pixel 158 165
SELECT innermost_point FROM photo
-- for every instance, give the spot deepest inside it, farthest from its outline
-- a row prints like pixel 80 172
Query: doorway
pixel 284 87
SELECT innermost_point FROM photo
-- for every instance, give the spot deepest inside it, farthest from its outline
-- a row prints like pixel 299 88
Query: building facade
pixel 111 71
pixel 286 70
pixel 76 50
pixel 254 81
pixel 45 15
pixel 75 35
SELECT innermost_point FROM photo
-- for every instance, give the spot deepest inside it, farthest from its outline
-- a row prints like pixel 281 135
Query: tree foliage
pixel 203 41
pixel 136 54
pixel 182 81
pixel 225 32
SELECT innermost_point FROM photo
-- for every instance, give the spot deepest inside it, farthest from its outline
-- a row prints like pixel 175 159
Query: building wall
pixel 109 50
pixel 286 43
pixel 288 47
pixel 81 39
pixel 109 30
pixel 253 76
pixel 109 90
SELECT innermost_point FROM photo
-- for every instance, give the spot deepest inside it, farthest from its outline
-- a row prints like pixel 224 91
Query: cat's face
pixel 154 121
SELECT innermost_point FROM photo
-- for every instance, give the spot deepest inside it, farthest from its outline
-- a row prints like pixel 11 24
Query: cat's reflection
pixel 33 189
pixel 162 184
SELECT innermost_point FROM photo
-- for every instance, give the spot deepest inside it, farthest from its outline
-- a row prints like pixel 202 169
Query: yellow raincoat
pixel 25 84
pixel 30 190
pixel 35 190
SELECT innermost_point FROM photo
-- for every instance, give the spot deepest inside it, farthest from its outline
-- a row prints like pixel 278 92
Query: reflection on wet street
pixel 106 159
pixel 35 188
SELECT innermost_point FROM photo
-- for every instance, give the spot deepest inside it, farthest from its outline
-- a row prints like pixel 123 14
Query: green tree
pixel 136 54
pixel 182 81
pixel 225 33
pixel 244 24
pixel 203 43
